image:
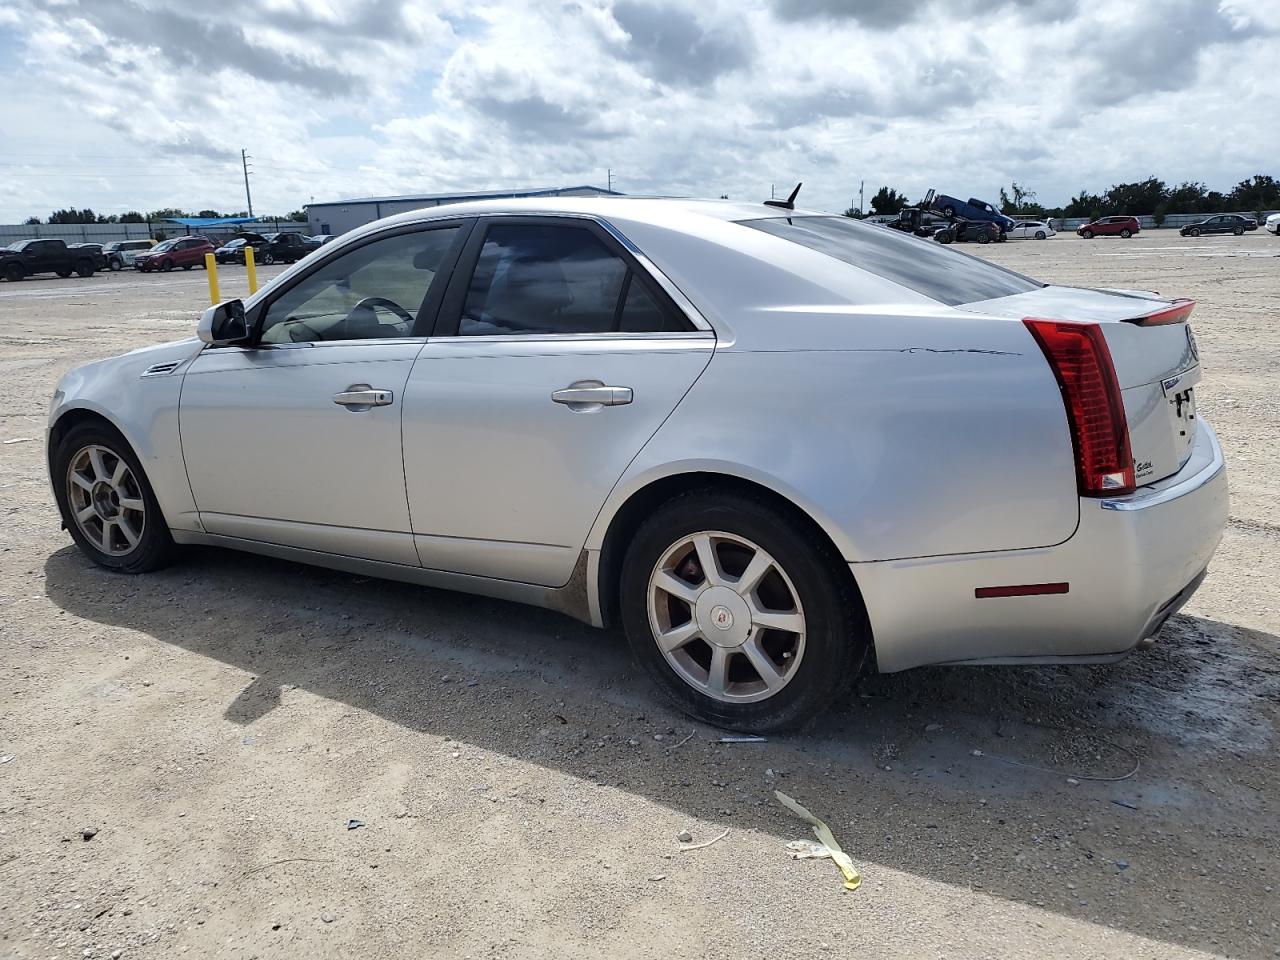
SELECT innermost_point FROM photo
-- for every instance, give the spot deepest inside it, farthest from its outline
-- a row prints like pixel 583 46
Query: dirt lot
pixel 520 784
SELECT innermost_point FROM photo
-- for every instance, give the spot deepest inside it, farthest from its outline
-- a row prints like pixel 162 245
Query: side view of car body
pixel 971 209
pixel 93 250
pixel 27 258
pixel 966 231
pixel 1110 227
pixel 1030 230
pixel 775 446
pixel 121 253
pixel 1223 223
pixel 184 252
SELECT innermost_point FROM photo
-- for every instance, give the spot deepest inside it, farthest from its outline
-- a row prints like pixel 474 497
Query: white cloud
pixel 146 103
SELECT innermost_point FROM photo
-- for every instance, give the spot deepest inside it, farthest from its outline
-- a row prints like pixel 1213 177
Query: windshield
pixel 162 247
pixel 240 242
pixel 111 248
pixel 924 266
pixel 17 245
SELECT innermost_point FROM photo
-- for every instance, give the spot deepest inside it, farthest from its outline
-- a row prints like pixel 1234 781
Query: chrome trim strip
pixel 1143 500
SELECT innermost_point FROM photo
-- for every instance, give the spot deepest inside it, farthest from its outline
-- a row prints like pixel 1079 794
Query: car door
pixel 294 438
pixel 556 358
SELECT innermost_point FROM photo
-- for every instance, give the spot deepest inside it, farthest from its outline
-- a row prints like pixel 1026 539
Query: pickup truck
pixel 28 257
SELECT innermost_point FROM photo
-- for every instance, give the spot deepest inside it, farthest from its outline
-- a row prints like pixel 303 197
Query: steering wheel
pixel 374 302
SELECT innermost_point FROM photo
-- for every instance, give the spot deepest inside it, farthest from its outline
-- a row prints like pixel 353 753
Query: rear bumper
pixel 1132 562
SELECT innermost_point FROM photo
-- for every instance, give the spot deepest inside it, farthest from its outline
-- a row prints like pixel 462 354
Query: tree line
pixel 1150 196
pixel 72 215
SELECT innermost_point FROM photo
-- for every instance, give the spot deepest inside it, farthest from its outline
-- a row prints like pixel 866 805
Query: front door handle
pixel 591 395
pixel 361 396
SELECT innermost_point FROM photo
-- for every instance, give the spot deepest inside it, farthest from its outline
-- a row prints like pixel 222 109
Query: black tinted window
pixel 928 268
pixel 535 278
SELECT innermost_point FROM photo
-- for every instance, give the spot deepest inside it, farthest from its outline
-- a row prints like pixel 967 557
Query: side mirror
pixel 224 324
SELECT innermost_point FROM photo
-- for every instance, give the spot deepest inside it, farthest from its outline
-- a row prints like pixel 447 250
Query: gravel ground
pixel 521 787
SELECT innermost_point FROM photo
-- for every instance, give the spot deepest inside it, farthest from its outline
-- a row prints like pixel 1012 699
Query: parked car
pixel 1030 230
pixel 285 248
pixel 320 239
pixel 184 252
pixel 26 258
pixel 971 209
pixel 1110 227
pixel 1223 223
pixel 94 250
pixel 121 253
pixel 233 250
pixel 965 231
pixel 557 401
pixel 1273 224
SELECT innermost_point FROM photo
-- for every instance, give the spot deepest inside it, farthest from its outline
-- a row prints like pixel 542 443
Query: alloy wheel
pixel 106 500
pixel 726 617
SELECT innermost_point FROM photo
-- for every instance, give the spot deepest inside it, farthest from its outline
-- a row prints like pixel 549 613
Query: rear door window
pixel 928 268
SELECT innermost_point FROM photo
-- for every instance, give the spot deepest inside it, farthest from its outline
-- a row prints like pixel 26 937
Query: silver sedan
pixel 776 447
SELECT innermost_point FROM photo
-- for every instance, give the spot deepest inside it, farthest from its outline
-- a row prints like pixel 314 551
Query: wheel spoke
pixel 99 466
pixel 708 560
pixel 787 620
pixel 764 666
pixel 677 637
pixel 85 513
pixel 668 582
pixel 122 471
pixel 106 535
pixel 130 503
pixel 126 528
pixel 760 565
pixel 718 673
pixel 83 483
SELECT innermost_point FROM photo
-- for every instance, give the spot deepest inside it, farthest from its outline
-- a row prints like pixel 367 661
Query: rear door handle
pixel 361 396
pixel 590 394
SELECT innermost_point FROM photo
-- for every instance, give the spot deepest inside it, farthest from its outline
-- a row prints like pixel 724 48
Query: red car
pixel 1110 227
pixel 184 252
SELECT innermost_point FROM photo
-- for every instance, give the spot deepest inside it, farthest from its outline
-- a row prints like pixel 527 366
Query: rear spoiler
pixel 1177 312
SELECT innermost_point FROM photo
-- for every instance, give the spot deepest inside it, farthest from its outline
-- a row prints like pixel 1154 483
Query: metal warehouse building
pixel 339 216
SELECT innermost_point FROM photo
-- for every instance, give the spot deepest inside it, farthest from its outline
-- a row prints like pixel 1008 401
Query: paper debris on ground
pixel 744 739
pixel 20 440
pixel 827 842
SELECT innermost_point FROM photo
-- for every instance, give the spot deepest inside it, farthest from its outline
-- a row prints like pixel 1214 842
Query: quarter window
pixel 372 292
pixel 534 279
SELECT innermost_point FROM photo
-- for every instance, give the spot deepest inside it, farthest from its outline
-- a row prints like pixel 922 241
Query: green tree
pixel 133 216
pixel 1259 192
pixel 1188 197
pixel 166 213
pixel 72 215
pixel 298 216
pixel 853 212
pixel 31 221
pixel 888 200
pixel 1134 198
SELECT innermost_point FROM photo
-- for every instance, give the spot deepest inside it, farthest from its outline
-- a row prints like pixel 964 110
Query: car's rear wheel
pixel 63 273
pixel 1040 235
pixel 738 614
pixel 942 237
pixel 187 266
pixel 268 258
pixel 1126 233
pixel 107 503
pixel 1238 231
pixel 984 237
pixel 949 212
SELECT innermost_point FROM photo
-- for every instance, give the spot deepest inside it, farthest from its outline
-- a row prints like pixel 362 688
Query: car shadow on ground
pixel 945 773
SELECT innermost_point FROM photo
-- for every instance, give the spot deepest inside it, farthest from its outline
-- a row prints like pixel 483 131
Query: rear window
pixel 926 267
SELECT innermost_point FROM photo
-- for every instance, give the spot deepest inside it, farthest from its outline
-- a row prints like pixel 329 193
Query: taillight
pixel 1078 355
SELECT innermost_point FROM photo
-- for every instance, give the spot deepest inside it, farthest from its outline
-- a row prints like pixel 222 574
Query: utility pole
pixel 609 174
pixel 244 163
pixel 862 187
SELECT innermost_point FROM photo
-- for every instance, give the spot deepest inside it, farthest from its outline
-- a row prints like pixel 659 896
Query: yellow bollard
pixel 252 269
pixel 211 265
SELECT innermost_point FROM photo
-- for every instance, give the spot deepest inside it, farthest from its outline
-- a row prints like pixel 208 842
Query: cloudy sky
pixel 139 104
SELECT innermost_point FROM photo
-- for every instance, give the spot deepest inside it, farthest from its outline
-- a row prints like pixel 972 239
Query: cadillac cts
pixel 774 446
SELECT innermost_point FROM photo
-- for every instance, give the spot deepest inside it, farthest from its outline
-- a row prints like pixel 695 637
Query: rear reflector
pixel 1078 355
pixel 1021 590
pixel 1177 313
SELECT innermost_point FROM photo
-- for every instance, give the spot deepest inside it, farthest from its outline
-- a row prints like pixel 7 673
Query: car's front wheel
pixel 107 503
pixel 1087 234
pixel 738 614
pixel 1194 231
pixel 166 266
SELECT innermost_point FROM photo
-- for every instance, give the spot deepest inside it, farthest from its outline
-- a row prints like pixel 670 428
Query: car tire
pixel 1194 232
pixel 124 529
pixel 1040 235
pixel 84 268
pixel 942 237
pixel 984 237
pixel 949 212
pixel 1087 234
pixel 115 265
pixel 1126 233
pixel 63 273
pixel 1238 231
pixel 268 259
pixel 804 583
pixel 166 266
pixel 187 266
pixel 13 272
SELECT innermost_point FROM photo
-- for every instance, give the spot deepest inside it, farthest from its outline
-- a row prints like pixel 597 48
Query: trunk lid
pixel 1157 365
